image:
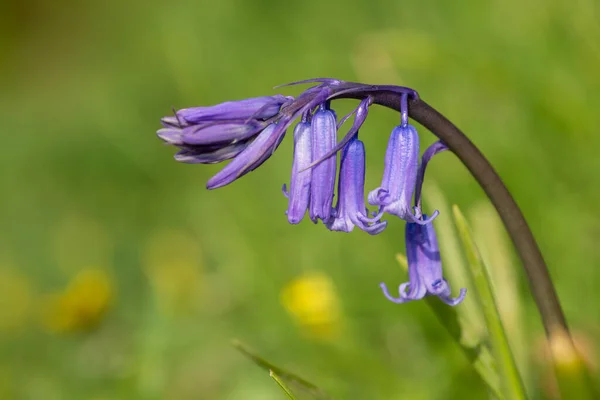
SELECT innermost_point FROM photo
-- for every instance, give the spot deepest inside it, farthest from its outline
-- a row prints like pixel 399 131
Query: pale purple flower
pixel 424 268
pixel 350 210
pixel 322 184
pixel 394 196
pixel 299 194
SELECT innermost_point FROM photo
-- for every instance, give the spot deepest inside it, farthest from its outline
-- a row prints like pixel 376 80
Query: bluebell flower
pixel 424 268
pixel 299 194
pixel 350 210
pixel 395 194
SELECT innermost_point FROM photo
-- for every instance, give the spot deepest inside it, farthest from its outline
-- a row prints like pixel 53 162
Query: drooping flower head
pixel 247 132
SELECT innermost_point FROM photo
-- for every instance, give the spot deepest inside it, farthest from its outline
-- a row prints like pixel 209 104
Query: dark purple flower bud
pixel 227 132
pixel 394 196
pixel 210 154
pixel 257 108
pixel 211 133
pixel 424 268
pixel 322 185
pixel 299 194
pixel 253 155
pixel 350 210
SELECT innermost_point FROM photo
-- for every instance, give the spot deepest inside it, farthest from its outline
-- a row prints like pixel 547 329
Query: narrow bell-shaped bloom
pixel 424 268
pixel 322 185
pixel 394 196
pixel 260 108
pixel 350 210
pixel 299 194
pixel 253 155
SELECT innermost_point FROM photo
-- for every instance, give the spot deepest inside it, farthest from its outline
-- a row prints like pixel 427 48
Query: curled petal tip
pixel 376 228
pixel 170 135
pixel 422 219
pixel 386 293
pixel 454 301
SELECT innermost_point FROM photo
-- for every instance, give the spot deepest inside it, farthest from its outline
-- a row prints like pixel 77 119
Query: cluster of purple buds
pixel 249 131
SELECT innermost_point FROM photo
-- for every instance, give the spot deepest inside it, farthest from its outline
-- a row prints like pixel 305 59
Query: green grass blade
pixel 282 385
pixel 282 374
pixel 511 383
pixel 495 248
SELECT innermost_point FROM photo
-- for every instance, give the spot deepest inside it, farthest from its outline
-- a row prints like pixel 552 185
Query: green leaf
pixel 511 384
pixel 282 385
pixel 282 375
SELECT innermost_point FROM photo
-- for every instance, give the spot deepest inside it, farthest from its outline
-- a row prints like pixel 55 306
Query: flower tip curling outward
pixel 424 268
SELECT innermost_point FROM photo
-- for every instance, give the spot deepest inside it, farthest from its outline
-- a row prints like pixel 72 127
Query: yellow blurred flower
pixel 15 299
pixel 83 303
pixel 312 302
pixel 172 262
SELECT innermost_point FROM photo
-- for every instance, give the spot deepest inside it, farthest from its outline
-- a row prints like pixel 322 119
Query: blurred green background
pixel 121 277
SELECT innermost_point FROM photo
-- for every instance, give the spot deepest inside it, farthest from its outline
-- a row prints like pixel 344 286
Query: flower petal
pixel 299 195
pixel 250 158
